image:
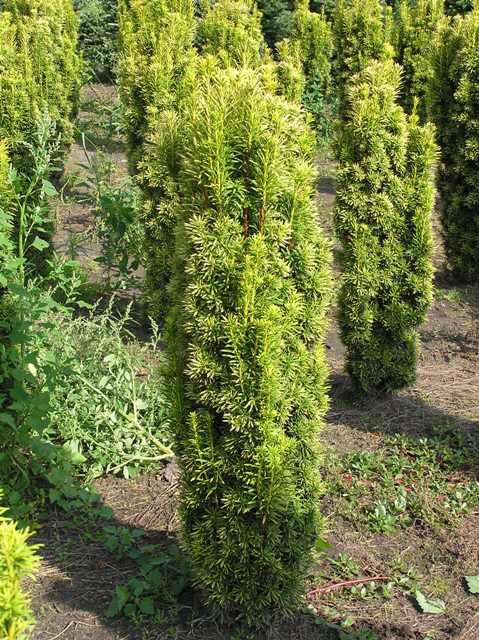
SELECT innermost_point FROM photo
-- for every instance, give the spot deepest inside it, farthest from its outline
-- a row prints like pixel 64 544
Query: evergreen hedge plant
pixel 155 75
pixel 362 32
pixel 313 34
pixel 416 26
pixel 251 287
pixel 385 197
pixel 455 110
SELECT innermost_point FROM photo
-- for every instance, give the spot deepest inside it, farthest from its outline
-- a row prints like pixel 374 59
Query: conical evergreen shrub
pixel 251 288
pixel 362 33
pixel 385 197
pixel 455 110
pixel 415 29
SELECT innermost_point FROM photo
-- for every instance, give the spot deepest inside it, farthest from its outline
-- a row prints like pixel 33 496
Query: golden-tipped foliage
pixel 251 287
pixel 155 76
pixel 18 560
pixel 231 30
pixel 41 72
pixel 385 197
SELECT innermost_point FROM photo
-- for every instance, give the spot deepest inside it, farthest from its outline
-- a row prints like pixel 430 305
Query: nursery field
pixel 401 485
pixel 239 319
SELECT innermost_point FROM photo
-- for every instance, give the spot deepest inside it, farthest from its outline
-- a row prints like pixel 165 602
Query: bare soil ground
pixel 78 577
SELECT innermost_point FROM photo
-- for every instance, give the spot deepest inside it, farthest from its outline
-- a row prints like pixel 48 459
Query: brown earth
pixel 78 577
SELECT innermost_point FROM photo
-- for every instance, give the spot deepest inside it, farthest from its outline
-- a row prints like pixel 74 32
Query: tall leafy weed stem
pixel 115 207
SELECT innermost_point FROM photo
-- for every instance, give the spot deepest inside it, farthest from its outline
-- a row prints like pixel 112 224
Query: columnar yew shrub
pixel 155 75
pixel 41 72
pixel 415 30
pixel 385 196
pixel 18 560
pixel 455 110
pixel 231 30
pixel 251 288
pixel 313 34
pixel 362 32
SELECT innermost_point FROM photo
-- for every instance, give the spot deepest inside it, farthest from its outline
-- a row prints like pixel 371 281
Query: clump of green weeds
pixel 428 483
pixel 108 412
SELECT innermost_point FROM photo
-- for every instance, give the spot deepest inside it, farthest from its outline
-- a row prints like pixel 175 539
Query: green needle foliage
pixel 18 560
pixel 455 110
pixel 98 35
pixel 231 30
pixel 313 35
pixel 415 32
pixel 385 197
pixel 362 32
pixel 155 74
pixel 454 7
pixel 251 289
pixel 277 19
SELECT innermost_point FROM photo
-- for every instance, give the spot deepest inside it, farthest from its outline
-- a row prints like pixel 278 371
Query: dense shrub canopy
pixel 384 202
pixel 98 35
pixel 362 32
pixel 231 30
pixel 156 74
pixel 41 74
pixel 251 287
pixel 312 34
pixel 455 110
pixel 414 40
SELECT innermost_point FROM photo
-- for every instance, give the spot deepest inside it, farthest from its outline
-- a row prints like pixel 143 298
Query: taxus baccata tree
pixel 231 30
pixel 277 19
pixel 455 110
pixel 415 29
pixel 251 290
pixel 362 32
pixel 41 73
pixel 312 35
pixel 155 76
pixel 385 197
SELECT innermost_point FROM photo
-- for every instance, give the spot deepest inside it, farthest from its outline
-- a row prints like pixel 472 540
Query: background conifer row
pixel 455 110
pixel 415 30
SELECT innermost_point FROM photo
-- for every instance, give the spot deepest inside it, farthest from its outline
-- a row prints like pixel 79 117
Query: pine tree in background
pixel 362 32
pixel 277 19
pixel 455 111
pixel 385 197
pixel 251 290
pixel 313 35
pixel 454 7
pixel 415 32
